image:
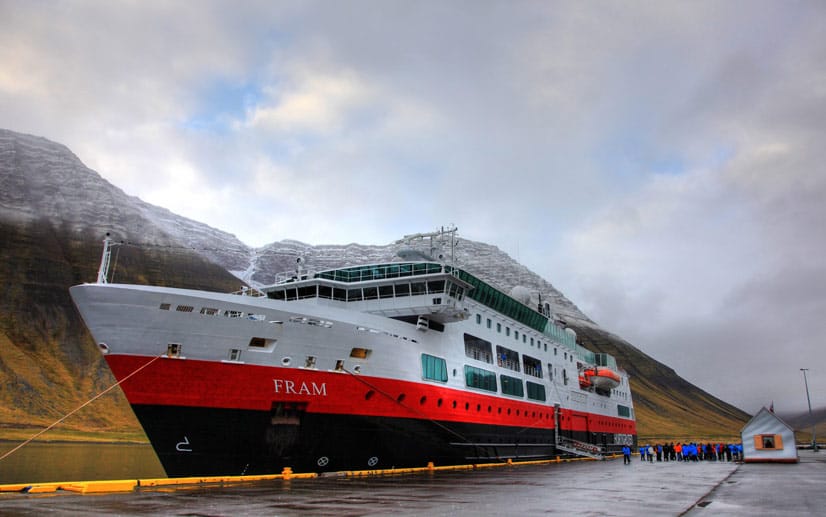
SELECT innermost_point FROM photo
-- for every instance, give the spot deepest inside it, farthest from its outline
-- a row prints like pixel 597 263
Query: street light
pixel 809 400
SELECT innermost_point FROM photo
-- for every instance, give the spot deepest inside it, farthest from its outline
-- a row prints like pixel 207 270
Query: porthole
pixel 286 361
pixel 369 395
pixel 422 400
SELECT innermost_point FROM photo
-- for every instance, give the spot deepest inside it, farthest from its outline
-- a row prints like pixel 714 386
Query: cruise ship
pixel 376 366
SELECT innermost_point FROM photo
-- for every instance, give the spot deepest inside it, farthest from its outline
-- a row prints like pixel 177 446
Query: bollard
pixel 287 473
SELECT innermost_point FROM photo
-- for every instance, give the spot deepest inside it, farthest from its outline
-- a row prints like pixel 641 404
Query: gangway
pixel 579 448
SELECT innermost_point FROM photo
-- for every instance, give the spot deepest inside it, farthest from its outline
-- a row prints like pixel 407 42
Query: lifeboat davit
pixel 602 378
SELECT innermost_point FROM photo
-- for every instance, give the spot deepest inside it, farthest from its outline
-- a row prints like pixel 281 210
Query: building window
pixel 489 322
pixel 768 442
pixel 478 319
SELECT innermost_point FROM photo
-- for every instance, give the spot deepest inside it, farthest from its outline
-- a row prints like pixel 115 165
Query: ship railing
pixel 250 291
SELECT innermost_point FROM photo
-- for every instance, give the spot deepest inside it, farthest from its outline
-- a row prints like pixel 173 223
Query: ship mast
pixel 103 271
pixel 440 234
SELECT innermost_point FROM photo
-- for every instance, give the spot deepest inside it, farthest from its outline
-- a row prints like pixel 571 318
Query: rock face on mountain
pixel 40 179
pixel 54 212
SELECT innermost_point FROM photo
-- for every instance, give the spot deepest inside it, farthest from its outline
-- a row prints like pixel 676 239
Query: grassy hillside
pixel 48 362
pixel 667 407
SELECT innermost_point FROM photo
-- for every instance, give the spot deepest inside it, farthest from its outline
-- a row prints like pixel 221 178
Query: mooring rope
pixel 67 415
pixel 409 408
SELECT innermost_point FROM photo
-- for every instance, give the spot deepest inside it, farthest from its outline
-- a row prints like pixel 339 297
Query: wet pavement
pixel 580 488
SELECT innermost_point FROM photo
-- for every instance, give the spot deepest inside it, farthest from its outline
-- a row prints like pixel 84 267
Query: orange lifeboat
pixel 602 377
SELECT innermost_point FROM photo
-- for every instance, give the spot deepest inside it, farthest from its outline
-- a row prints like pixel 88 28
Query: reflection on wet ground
pixel 583 488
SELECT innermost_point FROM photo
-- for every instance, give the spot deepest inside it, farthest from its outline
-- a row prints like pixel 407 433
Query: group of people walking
pixel 686 452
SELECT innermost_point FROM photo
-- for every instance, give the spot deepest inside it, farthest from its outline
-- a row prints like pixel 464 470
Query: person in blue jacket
pixel 626 455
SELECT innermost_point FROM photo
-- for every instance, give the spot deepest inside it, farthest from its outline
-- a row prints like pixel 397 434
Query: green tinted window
pixel 434 368
pixel 512 386
pixel 535 391
pixel 479 378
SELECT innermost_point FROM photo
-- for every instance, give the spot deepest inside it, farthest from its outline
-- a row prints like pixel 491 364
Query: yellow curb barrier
pixel 129 485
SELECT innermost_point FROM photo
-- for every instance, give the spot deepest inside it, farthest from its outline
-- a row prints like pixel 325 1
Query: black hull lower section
pixel 206 441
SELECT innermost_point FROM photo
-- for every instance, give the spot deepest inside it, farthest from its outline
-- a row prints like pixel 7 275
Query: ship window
pixel 512 386
pixel 173 350
pixel 291 294
pixel 550 372
pixel 325 291
pixel 417 288
pixel 340 365
pixel 535 391
pixel 478 319
pixel 489 322
pixel 402 290
pixel 386 291
pixel 310 362
pixel 498 327
pixel 532 366
pixel 434 368
pixel 371 293
pixel 339 294
pixel 360 353
pixel 353 295
pixel 507 358
pixel 623 411
pixel 185 308
pixel 479 378
pixel 258 342
pixel 436 286
pixel 165 306
pixel 507 331
pixel 208 311
pixel 276 295
pixel 525 338
pixel 234 355
pixel 531 341
pixel 478 349
pixel 307 292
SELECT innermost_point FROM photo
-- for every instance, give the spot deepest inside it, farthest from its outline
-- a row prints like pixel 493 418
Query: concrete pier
pixel 577 488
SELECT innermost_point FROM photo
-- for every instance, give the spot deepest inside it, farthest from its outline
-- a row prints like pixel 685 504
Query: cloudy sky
pixel 661 163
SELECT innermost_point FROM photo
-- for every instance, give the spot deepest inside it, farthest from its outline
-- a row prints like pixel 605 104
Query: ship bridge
pixel 422 293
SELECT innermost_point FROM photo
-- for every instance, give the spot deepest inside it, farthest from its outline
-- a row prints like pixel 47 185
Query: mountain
pixel 54 212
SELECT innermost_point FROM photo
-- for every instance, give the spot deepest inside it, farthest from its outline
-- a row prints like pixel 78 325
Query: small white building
pixel 767 438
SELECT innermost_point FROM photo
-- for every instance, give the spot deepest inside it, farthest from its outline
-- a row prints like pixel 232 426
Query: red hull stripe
pixel 193 383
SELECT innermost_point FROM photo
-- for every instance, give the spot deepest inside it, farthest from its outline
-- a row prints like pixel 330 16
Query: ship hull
pixel 241 442
pixel 213 418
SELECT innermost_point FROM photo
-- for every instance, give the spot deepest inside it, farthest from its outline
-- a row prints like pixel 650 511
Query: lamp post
pixel 809 400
